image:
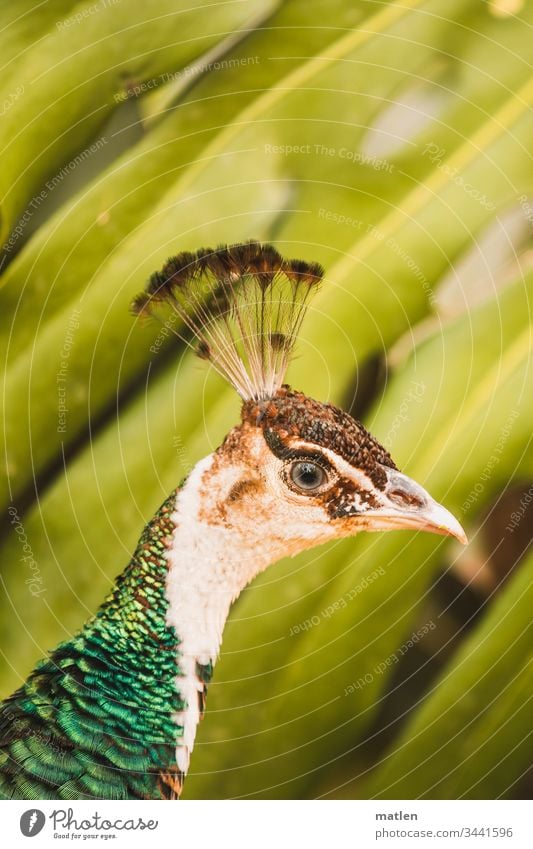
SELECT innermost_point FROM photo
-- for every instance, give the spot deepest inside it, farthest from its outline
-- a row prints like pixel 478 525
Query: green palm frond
pixel 391 143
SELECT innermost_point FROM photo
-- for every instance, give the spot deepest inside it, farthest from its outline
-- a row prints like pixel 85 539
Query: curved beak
pixel 406 504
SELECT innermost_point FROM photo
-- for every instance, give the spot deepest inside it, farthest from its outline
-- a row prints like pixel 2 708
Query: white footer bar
pixel 270 824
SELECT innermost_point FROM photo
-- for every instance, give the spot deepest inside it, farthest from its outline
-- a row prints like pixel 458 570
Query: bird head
pixel 295 472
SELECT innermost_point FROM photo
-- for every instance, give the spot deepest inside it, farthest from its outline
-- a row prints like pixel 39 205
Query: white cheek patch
pixel 211 561
pixel 216 552
pixel 297 515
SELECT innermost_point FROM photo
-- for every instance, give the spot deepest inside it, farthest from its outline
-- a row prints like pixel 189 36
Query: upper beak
pixel 406 504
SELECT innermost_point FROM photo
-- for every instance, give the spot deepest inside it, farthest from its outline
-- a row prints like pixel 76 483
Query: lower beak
pixel 408 506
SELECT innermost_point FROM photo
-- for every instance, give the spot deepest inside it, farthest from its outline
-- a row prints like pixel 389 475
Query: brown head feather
pixel 293 414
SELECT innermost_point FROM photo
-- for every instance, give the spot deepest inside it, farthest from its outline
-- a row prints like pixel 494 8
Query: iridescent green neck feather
pixel 96 719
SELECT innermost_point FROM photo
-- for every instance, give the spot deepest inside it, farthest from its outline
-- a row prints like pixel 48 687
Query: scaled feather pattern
pixel 95 719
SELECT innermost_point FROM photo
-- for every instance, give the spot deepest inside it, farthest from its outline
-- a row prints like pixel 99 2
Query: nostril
pixel 405 498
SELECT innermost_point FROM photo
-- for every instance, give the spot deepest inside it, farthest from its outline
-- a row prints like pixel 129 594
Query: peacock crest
pixel 243 304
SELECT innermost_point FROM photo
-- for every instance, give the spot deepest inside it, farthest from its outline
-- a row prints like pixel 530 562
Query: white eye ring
pixel 307 476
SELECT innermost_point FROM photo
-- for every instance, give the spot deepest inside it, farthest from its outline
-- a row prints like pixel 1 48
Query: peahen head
pixel 295 472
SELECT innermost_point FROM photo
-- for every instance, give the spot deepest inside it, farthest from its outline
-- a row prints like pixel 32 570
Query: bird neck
pixel 210 563
pixel 128 690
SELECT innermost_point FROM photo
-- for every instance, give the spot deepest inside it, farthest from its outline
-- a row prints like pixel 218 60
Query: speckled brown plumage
pixel 291 413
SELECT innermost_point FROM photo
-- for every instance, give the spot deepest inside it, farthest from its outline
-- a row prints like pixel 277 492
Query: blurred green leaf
pixel 62 257
pixel 471 737
pixel 243 149
pixel 385 141
pixel 102 49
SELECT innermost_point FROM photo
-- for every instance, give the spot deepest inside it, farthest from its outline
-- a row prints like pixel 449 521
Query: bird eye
pixel 307 476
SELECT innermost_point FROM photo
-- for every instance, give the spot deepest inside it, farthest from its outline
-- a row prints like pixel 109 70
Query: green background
pixel 390 142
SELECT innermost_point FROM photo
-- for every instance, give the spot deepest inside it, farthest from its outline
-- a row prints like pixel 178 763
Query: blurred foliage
pixel 391 142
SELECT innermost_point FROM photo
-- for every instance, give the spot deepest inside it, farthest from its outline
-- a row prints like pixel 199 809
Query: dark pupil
pixel 307 475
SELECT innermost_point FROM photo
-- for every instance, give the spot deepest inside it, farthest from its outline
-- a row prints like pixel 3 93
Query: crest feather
pixel 244 305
